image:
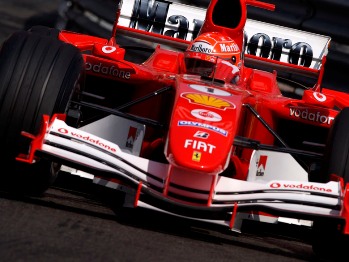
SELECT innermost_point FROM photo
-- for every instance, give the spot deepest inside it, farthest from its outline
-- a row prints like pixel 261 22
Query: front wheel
pixel 328 239
pixel 38 75
pixel 337 149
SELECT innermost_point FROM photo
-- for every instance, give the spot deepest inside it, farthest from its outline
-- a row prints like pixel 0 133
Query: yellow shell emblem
pixel 207 100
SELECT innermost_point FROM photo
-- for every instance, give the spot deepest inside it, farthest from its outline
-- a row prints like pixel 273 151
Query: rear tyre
pixel 328 240
pixel 38 75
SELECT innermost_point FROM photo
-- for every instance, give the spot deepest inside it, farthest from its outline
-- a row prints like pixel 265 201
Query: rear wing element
pixel 268 45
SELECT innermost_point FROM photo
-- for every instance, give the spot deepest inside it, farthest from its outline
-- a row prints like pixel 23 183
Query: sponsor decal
pixel 103 69
pixel 229 48
pixel 108 49
pixel 131 137
pixel 320 97
pixel 210 90
pixel 208 101
pixel 154 16
pixel 199 145
pixel 302 186
pixel 311 116
pixel 196 156
pixel 262 163
pixel 201 134
pixel 206 115
pixel 173 20
pixel 89 138
pixel 202 125
pixel 201 47
pixel 263 45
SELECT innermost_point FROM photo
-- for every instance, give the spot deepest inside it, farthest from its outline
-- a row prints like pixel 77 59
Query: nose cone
pixel 203 126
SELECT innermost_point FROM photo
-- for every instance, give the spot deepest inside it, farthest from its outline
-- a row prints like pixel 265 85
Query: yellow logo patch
pixel 196 156
pixel 207 100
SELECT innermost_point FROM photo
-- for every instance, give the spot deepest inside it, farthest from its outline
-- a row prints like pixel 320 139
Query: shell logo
pixel 208 101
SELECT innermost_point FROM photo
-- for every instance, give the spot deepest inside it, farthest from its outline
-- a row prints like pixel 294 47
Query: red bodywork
pixel 203 119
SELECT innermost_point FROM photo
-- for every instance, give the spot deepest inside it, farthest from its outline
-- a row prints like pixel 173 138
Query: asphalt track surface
pixel 76 221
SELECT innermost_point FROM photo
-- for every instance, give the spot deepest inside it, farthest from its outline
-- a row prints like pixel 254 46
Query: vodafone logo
pixel 206 115
pixel 89 138
pixel 108 49
pixel 301 186
pixel 320 97
pixel 311 116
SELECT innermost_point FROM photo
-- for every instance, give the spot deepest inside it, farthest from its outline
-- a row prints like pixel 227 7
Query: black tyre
pixel 328 240
pixel 337 150
pixel 38 75
pixel 44 31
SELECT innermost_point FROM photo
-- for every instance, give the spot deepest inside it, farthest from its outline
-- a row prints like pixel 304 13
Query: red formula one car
pixel 226 120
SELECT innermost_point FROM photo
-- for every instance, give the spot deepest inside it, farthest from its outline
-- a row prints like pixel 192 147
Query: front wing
pixel 180 192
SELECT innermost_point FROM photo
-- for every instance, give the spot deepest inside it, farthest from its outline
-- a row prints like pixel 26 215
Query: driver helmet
pixel 213 52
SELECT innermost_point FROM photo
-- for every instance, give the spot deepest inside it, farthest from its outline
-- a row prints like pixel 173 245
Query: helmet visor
pixel 199 63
